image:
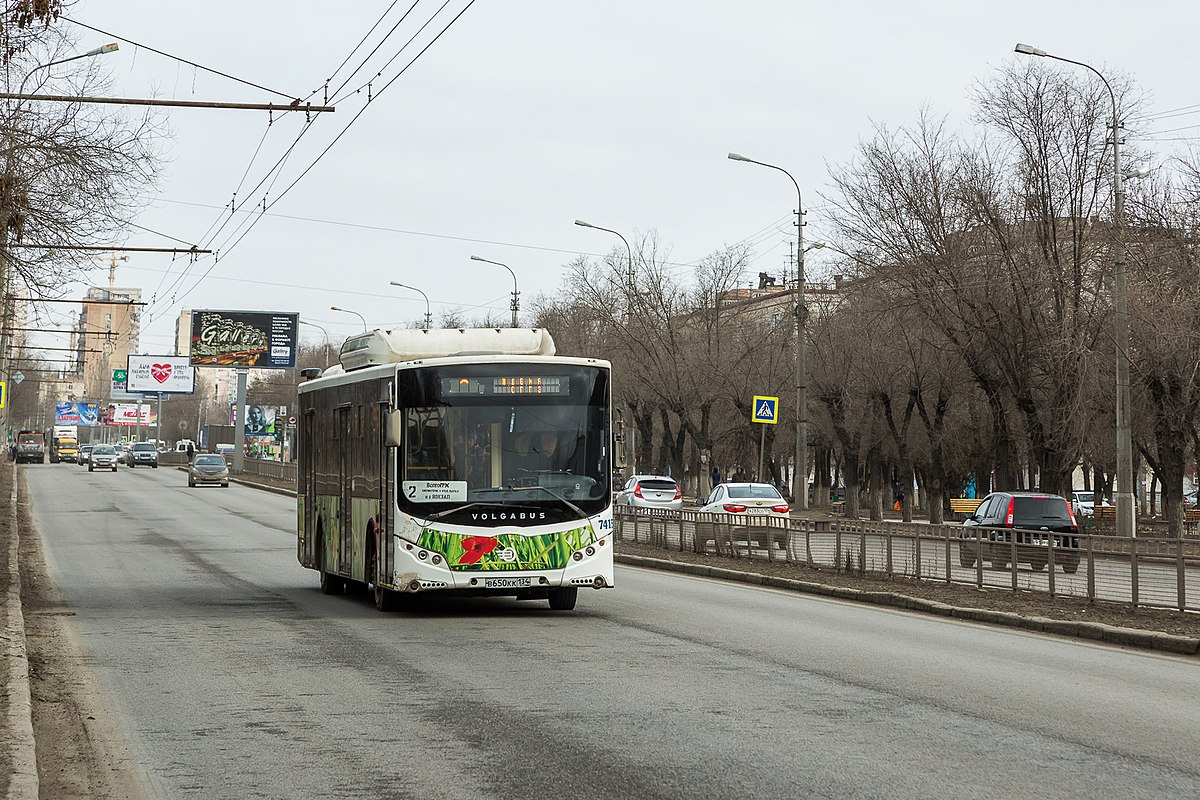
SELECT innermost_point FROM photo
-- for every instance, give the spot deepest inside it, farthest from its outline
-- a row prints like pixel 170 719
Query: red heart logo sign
pixel 160 372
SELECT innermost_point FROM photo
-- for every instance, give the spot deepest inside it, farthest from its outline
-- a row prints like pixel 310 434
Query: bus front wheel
pixel 385 599
pixel 563 599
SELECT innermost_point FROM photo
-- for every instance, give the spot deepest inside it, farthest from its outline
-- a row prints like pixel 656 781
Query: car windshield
pixel 87 448
pixel 1084 497
pixel 504 433
pixel 144 447
pixel 660 484
pixel 209 460
pixel 755 490
pixel 103 450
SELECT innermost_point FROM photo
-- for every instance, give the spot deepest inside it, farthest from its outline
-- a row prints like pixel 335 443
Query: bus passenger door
pixel 346 478
pixel 308 468
pixel 387 483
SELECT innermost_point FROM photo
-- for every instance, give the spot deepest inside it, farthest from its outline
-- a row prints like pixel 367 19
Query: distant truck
pixel 64 448
pixel 31 447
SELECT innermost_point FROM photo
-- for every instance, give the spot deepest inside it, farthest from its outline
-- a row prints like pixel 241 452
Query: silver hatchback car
pixel 651 491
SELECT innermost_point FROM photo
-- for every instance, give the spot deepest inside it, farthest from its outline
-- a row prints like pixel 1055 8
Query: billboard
pixel 260 339
pixel 67 413
pixel 160 374
pixel 131 414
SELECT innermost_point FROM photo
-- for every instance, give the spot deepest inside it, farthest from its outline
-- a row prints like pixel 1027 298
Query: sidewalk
pixel 20 776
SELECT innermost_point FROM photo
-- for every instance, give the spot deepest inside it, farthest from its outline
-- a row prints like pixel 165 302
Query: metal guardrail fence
pixel 277 470
pixel 1161 573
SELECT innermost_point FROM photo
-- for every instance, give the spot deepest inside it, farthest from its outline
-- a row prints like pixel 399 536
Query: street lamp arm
pixel 348 311
pixel 428 313
pixel 799 196
pixel 98 51
pixel 628 250
pixel 515 304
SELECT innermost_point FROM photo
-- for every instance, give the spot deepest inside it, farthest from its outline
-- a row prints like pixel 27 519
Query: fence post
pixel 889 553
pixel 1012 564
pixel 1180 576
pixel 978 557
pixel 837 549
pixel 949 577
pixel 1050 560
pixel 917 547
pixel 1133 570
pixel 1091 568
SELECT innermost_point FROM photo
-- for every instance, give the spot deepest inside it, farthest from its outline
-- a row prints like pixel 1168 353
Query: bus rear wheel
pixel 563 599
pixel 332 584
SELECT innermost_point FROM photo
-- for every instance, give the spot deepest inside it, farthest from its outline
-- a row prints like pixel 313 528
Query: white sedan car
pixel 746 498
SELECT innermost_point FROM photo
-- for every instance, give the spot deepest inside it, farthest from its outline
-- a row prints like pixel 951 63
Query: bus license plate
pixel 507 583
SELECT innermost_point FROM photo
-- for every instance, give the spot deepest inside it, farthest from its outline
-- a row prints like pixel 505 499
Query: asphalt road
pixel 234 677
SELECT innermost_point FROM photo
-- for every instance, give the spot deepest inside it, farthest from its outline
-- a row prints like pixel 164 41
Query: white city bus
pixel 471 462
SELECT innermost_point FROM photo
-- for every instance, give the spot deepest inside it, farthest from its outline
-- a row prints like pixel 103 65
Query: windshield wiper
pixel 555 495
pixel 465 506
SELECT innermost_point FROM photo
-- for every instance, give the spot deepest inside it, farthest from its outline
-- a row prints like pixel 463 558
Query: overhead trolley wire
pixel 354 119
pixel 178 58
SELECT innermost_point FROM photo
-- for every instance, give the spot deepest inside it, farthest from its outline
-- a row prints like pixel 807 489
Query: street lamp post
pixel 515 305
pixel 629 287
pixel 355 313
pixel 1126 511
pixel 324 332
pixel 428 314
pixel 800 471
pixel 6 293
pixel 629 276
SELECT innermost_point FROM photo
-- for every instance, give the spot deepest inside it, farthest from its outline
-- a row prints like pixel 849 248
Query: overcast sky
pixel 526 115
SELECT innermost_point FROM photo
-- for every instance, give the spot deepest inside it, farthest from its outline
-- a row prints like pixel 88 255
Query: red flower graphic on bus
pixel 476 547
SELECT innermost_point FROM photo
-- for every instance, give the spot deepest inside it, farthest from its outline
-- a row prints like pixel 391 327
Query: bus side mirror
pixel 619 454
pixel 395 426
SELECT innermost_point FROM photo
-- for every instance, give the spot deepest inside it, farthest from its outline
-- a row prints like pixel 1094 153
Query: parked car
pixel 85 453
pixel 650 491
pixel 736 514
pixel 144 453
pixel 1020 526
pixel 745 498
pixel 104 456
pixel 1083 503
pixel 1190 500
pixel 208 468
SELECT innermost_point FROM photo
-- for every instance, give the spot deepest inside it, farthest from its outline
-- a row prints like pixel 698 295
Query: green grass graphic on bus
pixel 506 551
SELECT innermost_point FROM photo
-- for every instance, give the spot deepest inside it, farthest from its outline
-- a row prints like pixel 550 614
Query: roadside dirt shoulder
pixel 79 754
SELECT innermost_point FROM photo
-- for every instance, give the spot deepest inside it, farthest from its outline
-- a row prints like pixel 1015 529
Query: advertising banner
pixel 160 374
pixel 260 339
pixel 67 413
pixel 126 414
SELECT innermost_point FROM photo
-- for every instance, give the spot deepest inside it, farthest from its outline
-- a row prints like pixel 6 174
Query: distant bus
pixel 466 462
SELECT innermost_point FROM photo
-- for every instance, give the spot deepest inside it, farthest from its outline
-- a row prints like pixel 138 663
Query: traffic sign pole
pixel 764 410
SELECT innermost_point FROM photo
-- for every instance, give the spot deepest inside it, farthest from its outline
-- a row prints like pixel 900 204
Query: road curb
pixel 23 781
pixel 1095 631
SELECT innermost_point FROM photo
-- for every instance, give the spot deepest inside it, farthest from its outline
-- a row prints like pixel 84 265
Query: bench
pixel 837 507
pixel 1104 513
pixel 1191 521
pixel 965 505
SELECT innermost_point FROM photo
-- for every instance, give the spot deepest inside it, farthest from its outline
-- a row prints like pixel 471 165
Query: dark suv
pixel 143 453
pixel 1037 524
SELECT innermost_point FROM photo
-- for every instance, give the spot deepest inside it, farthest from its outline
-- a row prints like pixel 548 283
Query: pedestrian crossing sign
pixel 766 409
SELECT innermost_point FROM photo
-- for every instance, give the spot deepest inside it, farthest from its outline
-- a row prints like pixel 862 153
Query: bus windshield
pixel 482 437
